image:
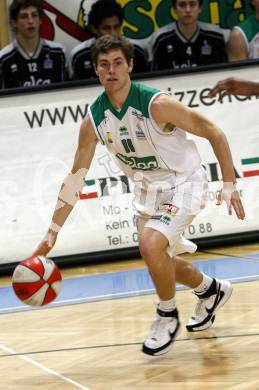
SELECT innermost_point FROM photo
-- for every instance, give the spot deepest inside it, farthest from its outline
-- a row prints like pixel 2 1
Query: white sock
pixel 205 284
pixel 169 305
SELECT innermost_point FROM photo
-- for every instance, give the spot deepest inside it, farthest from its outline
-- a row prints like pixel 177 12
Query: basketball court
pixel 91 336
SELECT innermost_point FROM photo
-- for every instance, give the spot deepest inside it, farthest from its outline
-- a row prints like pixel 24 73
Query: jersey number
pixel 128 145
pixel 32 67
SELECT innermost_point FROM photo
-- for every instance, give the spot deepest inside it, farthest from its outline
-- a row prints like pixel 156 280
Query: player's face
pixel 110 26
pixel 28 23
pixel 187 11
pixel 113 70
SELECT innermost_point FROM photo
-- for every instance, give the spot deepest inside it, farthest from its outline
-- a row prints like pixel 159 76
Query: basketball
pixel 36 281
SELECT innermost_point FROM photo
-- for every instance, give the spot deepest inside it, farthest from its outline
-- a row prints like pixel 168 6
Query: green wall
pixel 145 16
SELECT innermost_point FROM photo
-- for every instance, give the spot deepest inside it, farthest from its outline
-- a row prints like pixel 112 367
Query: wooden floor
pixel 97 345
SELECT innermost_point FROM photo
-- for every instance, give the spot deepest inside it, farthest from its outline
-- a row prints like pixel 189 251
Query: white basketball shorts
pixel 176 210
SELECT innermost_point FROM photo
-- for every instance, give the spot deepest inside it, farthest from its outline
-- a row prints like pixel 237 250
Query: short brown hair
pixel 107 43
pixel 175 1
pixel 18 5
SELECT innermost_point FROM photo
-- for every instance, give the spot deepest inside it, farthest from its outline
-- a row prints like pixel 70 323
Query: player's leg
pixel 186 273
pixel 211 293
pixel 153 247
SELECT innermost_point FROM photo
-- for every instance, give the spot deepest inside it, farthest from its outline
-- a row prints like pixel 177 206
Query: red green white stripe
pixel 253 164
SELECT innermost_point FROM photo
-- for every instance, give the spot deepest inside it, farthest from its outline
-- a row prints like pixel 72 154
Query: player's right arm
pixel 71 187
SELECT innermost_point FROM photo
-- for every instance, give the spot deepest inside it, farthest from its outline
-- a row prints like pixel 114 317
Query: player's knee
pixel 152 245
pixel 186 270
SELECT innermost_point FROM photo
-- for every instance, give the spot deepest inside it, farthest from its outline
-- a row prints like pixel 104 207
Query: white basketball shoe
pixel 209 302
pixel 162 333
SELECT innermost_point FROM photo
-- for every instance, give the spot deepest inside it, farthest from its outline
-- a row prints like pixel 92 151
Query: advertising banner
pixel 38 139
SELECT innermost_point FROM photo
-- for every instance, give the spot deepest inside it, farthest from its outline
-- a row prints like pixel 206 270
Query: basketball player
pixel 145 129
pixel 30 61
pixel 233 86
pixel 187 42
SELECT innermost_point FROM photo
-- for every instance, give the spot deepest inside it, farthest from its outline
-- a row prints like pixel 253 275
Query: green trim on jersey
pixel 250 27
pixel 98 110
pixel 139 98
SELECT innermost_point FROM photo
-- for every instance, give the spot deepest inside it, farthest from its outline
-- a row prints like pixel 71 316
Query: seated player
pixel 105 17
pixel 29 60
pixel 187 42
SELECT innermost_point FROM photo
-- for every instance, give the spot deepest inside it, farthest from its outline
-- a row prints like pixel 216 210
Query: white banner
pixel 38 138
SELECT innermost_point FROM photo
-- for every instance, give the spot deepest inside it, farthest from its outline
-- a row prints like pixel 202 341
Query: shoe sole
pixel 165 350
pixel 211 320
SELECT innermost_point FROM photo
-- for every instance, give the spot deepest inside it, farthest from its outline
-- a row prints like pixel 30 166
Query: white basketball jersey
pixel 143 152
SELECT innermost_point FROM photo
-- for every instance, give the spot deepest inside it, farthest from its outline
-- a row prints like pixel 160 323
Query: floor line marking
pixel 228 255
pixel 128 344
pixel 44 368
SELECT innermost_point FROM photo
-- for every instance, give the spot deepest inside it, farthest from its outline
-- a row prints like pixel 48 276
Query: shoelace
pixel 198 308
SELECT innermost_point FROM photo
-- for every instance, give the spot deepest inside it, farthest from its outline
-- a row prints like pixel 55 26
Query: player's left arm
pixel 165 110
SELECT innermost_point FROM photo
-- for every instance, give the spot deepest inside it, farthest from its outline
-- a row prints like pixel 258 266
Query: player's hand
pixel 223 88
pixel 46 244
pixel 230 195
pixel 231 86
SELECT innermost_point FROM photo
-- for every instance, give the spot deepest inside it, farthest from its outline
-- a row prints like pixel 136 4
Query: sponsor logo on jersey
pixel 47 63
pixel 148 163
pixel 87 64
pixel 170 48
pixel 206 49
pixel 14 68
pixel 189 50
pixel 33 81
pixel 109 138
pixel 139 115
pixel 123 131
pixel 140 133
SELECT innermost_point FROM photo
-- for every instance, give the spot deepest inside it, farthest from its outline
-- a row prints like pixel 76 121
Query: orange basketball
pixel 36 281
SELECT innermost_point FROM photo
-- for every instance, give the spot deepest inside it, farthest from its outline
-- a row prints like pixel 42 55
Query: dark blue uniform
pixel 19 68
pixel 171 50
